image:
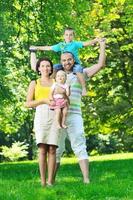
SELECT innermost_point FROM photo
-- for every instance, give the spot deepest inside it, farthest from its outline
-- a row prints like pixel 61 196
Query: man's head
pixel 67 61
pixel 68 35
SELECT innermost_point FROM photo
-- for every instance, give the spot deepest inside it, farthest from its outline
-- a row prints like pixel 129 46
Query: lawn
pixel 111 179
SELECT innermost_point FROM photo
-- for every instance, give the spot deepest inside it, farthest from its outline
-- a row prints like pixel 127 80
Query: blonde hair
pixel 62 73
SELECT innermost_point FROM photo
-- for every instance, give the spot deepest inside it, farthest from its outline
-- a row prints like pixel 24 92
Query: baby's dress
pixel 59 100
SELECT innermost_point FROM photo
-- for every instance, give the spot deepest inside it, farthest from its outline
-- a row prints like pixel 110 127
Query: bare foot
pixel 58 126
pixel 49 184
pixel 43 184
pixel 86 181
pixel 64 126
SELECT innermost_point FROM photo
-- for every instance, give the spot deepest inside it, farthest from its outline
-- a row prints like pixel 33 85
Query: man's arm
pixel 90 43
pixel 33 60
pixel 91 71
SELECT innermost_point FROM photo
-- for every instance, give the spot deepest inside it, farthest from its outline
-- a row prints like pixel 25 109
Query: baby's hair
pixel 63 72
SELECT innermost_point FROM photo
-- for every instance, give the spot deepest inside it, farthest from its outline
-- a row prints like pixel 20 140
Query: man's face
pixel 67 61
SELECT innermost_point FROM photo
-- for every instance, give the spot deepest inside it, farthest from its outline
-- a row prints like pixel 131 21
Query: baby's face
pixel 60 77
pixel 68 36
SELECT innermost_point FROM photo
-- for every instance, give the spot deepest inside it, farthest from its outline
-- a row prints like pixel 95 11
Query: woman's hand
pixel 46 101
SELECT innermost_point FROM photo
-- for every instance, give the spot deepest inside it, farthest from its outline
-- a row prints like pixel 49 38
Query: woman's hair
pixel 39 62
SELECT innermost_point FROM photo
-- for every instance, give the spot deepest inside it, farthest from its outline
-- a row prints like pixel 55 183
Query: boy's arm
pixel 41 48
pixel 90 43
pixel 91 71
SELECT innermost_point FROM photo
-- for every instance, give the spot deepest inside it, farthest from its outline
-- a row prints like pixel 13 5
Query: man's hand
pixel 102 40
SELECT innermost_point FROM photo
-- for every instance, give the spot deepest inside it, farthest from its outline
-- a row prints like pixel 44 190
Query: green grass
pixel 111 179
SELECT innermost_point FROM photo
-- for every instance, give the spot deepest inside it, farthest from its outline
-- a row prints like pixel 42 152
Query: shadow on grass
pixel 110 180
pixel 112 169
pixel 100 171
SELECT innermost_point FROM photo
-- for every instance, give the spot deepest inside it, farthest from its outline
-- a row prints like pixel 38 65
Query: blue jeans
pixel 76 68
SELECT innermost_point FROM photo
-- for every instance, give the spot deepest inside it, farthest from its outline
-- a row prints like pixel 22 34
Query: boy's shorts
pixel 76 68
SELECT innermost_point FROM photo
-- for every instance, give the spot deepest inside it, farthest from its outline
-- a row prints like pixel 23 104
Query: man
pixel 75 130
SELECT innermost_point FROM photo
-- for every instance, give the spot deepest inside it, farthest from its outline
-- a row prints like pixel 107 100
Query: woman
pixel 44 124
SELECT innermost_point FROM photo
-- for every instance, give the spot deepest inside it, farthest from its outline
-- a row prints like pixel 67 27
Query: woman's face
pixel 45 67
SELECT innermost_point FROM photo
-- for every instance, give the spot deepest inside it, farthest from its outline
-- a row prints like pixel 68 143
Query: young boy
pixel 69 45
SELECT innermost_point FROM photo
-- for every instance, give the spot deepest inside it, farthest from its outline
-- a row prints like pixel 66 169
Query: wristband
pixel 32 50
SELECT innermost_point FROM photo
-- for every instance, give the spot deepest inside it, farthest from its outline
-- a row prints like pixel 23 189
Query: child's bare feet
pixel 64 126
pixel 84 92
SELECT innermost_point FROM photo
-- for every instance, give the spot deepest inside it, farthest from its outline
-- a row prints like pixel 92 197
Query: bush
pixel 15 152
pixel 105 144
pixel 110 143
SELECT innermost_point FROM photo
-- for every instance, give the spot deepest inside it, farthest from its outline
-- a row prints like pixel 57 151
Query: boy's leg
pixel 78 69
pixel 83 83
pixel 57 67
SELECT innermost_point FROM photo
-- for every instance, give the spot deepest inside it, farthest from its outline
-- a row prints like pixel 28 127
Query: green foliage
pixel 16 151
pixel 109 144
pixel 108 107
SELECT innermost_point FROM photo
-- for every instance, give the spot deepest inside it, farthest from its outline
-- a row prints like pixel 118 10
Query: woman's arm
pixel 91 71
pixel 30 102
